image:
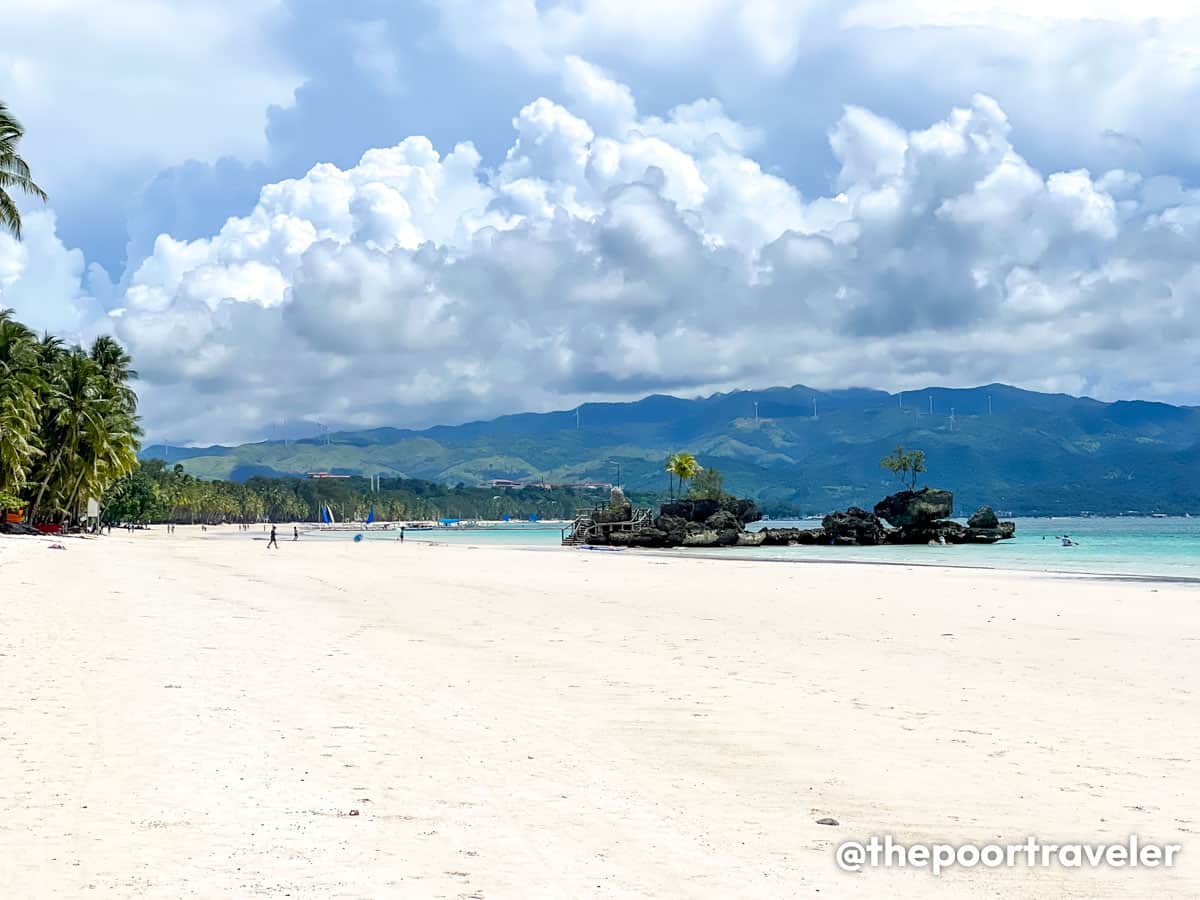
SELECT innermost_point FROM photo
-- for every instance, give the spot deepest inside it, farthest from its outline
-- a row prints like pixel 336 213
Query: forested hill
pixel 1020 451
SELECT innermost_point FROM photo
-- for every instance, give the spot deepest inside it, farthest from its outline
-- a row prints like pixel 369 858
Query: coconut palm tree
pixel 683 466
pixel 68 420
pixel 73 422
pixel 18 403
pixel 115 370
pixel 14 173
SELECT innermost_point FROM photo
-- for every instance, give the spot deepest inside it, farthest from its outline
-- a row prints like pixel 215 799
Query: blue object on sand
pixel 357 538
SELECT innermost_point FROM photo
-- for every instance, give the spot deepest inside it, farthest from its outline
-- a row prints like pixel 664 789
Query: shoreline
pixel 722 554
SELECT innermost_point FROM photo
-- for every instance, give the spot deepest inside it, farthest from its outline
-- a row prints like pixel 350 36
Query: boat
pixel 330 523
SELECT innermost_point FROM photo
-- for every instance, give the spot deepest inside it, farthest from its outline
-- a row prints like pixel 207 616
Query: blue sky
pixel 405 213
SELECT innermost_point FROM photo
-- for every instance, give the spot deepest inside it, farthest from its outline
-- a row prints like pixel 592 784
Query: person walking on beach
pixel 295 533
pixel 272 542
pixel 402 534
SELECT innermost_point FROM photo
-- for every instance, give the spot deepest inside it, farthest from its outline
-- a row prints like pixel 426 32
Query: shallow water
pixel 1122 545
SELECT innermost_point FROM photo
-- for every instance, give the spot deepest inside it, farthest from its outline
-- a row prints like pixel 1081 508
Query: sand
pixel 194 716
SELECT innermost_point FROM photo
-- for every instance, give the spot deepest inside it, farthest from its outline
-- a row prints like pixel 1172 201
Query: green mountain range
pixel 1023 452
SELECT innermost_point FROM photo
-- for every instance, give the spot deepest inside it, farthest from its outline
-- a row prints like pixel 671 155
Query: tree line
pixel 156 492
pixel 68 421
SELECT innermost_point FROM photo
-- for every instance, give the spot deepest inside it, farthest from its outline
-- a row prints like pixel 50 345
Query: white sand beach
pixel 194 716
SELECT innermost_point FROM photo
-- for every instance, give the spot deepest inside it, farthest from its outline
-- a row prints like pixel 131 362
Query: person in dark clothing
pixel 295 533
pixel 402 534
pixel 272 542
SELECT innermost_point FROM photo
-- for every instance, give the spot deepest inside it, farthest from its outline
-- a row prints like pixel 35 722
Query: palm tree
pixel 114 364
pixel 18 403
pixel 105 455
pixel 68 420
pixel 683 466
pixel 14 173
pixel 113 453
pixel 73 421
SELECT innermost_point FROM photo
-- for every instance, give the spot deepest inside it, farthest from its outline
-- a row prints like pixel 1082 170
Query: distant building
pixel 325 475
pixel 567 485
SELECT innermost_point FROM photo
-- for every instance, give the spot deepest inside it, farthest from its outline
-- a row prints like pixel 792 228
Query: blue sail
pixel 371 516
pixel 325 515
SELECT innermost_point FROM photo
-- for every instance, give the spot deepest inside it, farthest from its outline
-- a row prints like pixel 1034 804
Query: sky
pixel 300 214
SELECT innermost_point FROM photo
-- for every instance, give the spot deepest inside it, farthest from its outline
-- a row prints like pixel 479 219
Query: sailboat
pixel 329 522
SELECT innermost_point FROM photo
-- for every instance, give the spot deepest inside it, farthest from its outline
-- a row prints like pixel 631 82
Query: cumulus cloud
pixel 612 253
pixel 47 282
pixel 1075 75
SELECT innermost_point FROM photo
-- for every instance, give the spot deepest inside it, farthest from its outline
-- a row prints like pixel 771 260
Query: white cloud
pixel 762 37
pixel 1014 13
pixel 44 281
pixel 644 254
pixel 102 86
pixel 1077 75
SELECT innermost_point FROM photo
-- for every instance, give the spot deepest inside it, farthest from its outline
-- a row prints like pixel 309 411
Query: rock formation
pixel 915 507
pixel 983 518
pixel 915 517
pixel 854 527
pixel 685 523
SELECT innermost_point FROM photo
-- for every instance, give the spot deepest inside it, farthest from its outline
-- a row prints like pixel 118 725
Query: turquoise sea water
pixel 1125 545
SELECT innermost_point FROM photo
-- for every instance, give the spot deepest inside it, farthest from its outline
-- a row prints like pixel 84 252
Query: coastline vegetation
pixel 68 421
pixel 157 493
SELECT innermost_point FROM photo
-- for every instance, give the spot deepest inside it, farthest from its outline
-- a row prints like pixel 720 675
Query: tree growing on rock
pixel 905 465
pixel 708 485
pixel 684 467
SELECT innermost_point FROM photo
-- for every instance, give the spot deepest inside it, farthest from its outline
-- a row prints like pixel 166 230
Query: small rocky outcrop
pixel 651 538
pixel 924 532
pixel 983 517
pixel 1002 531
pixel 612 513
pixel 745 511
pixel 915 507
pixel 675 527
pixel 722 520
pixel 854 527
pixel 785 537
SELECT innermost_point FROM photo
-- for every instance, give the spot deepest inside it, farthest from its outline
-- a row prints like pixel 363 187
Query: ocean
pixel 1108 546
